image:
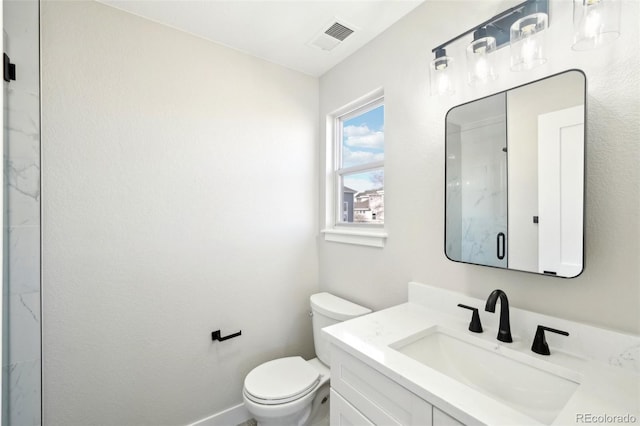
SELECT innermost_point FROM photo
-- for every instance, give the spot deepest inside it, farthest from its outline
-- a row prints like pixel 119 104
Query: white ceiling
pixel 278 31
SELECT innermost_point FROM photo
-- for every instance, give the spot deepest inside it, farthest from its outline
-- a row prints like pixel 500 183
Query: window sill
pixel 369 237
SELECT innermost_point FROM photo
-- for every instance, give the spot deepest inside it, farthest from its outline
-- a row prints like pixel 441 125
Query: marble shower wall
pixel 21 310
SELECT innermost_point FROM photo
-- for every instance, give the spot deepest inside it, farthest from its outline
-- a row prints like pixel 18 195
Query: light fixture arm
pixel 499 24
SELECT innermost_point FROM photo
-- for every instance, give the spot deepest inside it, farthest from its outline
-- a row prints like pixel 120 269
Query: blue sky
pixel 363 142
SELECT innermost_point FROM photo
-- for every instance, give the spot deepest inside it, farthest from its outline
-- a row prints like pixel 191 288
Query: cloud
pixel 360 130
pixel 351 158
pixel 363 137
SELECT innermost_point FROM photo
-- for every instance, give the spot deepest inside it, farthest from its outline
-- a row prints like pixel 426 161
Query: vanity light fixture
pixel 442 74
pixel 595 23
pixel 489 36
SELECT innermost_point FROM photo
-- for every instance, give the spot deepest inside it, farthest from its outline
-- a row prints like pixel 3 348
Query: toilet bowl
pixel 282 391
pixel 291 391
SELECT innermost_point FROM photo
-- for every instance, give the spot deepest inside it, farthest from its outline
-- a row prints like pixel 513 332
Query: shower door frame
pixel 2 206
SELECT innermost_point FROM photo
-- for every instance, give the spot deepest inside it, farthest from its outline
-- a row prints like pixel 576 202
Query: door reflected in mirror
pixel 515 178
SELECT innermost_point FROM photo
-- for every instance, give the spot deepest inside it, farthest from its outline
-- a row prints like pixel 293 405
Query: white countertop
pixel 609 384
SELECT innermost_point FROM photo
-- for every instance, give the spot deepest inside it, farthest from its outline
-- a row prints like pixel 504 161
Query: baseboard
pixel 230 417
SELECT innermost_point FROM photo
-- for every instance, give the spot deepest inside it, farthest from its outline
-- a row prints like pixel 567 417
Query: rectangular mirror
pixel 515 178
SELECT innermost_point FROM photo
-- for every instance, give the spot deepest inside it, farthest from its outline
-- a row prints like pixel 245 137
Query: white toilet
pixel 291 391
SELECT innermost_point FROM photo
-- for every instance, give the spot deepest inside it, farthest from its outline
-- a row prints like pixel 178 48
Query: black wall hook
pixel 215 335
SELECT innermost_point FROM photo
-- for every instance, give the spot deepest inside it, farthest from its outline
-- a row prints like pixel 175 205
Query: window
pixel 355 186
pixel 360 164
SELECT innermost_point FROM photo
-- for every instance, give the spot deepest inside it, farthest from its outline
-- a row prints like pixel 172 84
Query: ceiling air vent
pixel 339 31
pixel 333 35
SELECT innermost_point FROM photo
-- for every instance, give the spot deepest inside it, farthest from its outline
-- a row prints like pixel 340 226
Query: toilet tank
pixel 327 310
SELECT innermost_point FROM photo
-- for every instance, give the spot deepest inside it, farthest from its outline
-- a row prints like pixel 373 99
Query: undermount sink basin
pixel 498 372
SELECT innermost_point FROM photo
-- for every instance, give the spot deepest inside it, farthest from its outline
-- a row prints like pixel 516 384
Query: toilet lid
pixel 281 380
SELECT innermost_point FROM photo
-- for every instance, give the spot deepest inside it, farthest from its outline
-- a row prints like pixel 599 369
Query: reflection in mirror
pixel 515 178
pixel 477 181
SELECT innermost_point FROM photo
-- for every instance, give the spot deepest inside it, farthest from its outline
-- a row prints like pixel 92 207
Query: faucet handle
pixel 539 345
pixel 475 324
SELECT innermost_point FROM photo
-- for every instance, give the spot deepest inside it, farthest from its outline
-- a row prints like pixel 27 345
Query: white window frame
pixel 373 235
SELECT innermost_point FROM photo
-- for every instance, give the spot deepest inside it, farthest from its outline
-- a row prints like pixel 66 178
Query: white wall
pixel 608 291
pixel 180 197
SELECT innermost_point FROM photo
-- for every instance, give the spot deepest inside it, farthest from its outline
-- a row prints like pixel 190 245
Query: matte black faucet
pixel 504 331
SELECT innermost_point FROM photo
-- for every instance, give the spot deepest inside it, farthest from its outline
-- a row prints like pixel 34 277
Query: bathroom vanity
pixel 418 364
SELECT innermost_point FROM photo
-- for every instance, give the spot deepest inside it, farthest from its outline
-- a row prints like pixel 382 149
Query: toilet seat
pixel 281 380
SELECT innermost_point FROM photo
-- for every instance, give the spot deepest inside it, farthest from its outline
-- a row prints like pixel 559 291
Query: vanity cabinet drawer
pixel 381 400
pixel 343 414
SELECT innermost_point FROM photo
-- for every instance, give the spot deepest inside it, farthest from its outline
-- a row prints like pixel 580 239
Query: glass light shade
pixel 595 23
pixel 479 65
pixel 442 79
pixel 527 40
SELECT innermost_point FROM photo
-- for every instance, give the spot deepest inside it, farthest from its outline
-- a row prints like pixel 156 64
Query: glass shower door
pixel 476 179
pixel 21 352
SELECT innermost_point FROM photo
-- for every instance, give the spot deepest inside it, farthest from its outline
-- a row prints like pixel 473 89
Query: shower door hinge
pixel 9 68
